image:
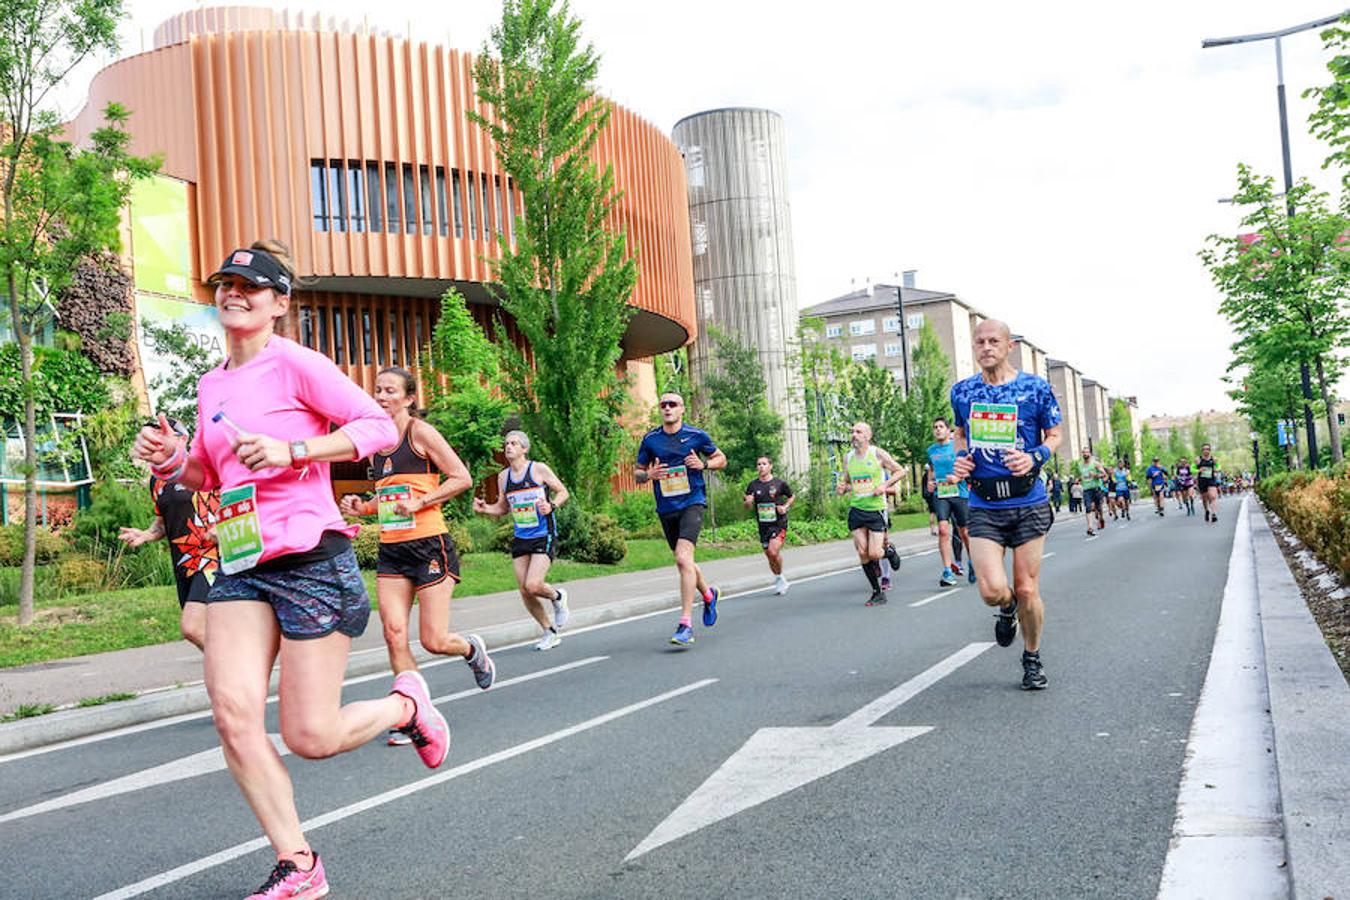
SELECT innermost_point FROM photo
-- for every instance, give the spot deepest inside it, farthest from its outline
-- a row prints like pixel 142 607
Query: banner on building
pixel 200 321
pixel 159 236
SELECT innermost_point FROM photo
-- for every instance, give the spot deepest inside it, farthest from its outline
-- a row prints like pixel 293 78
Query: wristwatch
pixel 299 454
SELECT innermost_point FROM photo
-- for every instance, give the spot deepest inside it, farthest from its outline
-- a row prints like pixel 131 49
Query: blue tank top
pixel 521 499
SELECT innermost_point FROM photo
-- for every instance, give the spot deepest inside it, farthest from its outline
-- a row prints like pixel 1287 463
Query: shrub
pixel 367 545
pixel 1316 507
pixel 634 511
pixel 482 532
pixel 115 506
pixel 461 535
pixel 80 574
pixel 589 537
pixel 49 544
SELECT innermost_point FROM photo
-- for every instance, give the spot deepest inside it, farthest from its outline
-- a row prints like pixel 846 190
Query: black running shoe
pixel 893 557
pixel 1005 624
pixel 1033 674
pixel 878 598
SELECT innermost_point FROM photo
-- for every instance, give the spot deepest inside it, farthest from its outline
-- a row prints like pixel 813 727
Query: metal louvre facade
pixel 741 236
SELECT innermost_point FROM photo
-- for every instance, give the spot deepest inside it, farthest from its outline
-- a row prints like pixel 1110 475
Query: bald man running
pixel 1007 427
pixel 865 470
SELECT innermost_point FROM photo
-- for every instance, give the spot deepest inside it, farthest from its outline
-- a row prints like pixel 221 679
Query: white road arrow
pixel 777 760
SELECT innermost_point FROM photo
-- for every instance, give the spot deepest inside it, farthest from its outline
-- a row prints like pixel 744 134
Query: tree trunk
pixel 1333 427
pixel 29 455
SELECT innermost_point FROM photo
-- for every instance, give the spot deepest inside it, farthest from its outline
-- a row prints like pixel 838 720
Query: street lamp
pixel 1305 371
pixel 1256 454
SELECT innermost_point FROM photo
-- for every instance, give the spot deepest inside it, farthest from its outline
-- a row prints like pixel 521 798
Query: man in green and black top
pixel 1090 473
pixel 771 498
pixel 865 471
pixel 1207 481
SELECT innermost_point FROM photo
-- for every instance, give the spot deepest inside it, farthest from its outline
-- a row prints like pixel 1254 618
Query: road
pixel 806 746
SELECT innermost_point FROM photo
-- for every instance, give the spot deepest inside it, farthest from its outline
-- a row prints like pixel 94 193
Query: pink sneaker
pixel 428 729
pixel 287 881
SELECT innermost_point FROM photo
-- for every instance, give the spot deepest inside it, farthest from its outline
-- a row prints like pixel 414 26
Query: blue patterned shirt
pixel 1037 412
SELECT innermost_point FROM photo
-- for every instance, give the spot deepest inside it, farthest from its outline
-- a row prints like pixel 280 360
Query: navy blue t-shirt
pixel 1037 411
pixel 681 487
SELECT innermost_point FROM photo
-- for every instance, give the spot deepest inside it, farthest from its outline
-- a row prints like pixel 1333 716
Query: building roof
pixel 877 297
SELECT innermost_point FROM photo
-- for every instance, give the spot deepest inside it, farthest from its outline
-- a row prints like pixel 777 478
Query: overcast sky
pixel 1054 164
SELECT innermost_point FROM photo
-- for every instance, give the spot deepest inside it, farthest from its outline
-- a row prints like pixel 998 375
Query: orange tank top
pixel 401 474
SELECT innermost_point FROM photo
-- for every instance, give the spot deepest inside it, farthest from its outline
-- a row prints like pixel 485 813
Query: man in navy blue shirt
pixel 1157 480
pixel 1007 426
pixel 673 458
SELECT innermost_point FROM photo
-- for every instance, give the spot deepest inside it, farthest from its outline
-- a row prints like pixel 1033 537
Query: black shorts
pixel 1012 527
pixel 871 519
pixel 1159 488
pixel 1205 484
pixel 191 589
pixel 952 508
pixel 683 525
pixel 542 546
pixel 1091 497
pixel 768 531
pixel 424 561
pixel 930 501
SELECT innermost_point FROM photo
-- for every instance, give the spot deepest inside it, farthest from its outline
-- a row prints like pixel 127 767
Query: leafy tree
pixel 873 396
pixel 59 204
pixel 824 369
pixel 1330 121
pixel 568 280
pixel 1122 436
pixel 929 396
pixel 1176 445
pixel 465 404
pixel 672 372
pixel 1198 436
pixel 744 426
pixel 175 392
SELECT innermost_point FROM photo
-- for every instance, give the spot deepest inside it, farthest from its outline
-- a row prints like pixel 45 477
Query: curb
pixel 53 728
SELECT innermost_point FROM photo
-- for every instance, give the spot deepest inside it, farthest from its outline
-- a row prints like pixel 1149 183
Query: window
pixel 864 351
pixel 862 326
pixel 306 327
pixel 487 216
pixel 510 212
pixel 473 208
pixel 392 207
pixel 337 195
pixel 356 177
pixel 409 204
pixel 894 350
pixel 834 331
pixel 424 182
pixel 497 197
pixel 379 338
pixel 693 166
pixel 416 350
pixel 339 345
pixel 318 194
pixel 891 324
pixel 457 198
pixel 700 237
pixel 365 336
pixel 393 338
pixel 914 321
pixel 373 195
pixel 321 319
pixel 442 209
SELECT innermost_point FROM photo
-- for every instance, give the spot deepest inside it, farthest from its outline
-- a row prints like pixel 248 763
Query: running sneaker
pixel 429 731
pixel 561 613
pixel 1091 533
pixel 710 608
pixel 885 582
pixel 956 568
pixel 549 640
pixel 892 556
pixel 1033 674
pixel 289 882
pixel 780 585
pixel 1206 515
pixel 948 578
pixel 1213 517
pixel 683 636
pixel 878 598
pixel 970 575
pixel 484 671
pixel 396 738
pixel 1005 624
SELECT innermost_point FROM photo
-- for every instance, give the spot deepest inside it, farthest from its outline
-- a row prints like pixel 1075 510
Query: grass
pixel 106 698
pixel 28 711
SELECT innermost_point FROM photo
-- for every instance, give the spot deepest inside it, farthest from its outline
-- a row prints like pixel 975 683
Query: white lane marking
pixel 213 760
pixel 927 600
pixel 777 760
pixel 1228 837
pixel 1048 555
pixel 337 815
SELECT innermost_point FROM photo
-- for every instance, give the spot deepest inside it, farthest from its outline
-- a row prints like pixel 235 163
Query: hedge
pixel 1316 507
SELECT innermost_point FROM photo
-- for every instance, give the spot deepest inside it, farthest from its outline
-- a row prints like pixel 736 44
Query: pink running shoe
pixel 288 882
pixel 428 729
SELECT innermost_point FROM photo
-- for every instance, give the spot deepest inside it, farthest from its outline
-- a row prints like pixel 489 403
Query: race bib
pixel 524 507
pixel 993 426
pixel 388 498
pixel 1206 471
pixel 945 490
pixel 863 485
pixel 768 512
pixel 239 532
pixel 675 483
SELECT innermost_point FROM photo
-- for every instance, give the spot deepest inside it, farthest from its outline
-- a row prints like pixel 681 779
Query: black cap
pixel 258 266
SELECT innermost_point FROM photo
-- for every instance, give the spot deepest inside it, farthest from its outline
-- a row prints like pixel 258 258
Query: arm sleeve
pixel 644 454
pixel 706 445
pixel 958 414
pixel 787 489
pixel 1050 414
pixel 324 388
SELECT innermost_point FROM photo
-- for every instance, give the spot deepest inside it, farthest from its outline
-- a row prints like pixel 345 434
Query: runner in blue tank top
pixel 951 502
pixel 1007 427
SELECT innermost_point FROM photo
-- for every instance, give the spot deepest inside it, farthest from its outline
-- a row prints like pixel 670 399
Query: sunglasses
pixel 668 404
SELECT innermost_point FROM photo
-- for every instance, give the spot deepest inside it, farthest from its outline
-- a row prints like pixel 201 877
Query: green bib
pixel 866 475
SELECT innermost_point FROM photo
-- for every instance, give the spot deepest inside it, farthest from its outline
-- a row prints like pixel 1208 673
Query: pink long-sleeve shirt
pixel 292 393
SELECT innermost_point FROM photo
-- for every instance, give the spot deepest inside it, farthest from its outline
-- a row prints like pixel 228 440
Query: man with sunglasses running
pixel 673 458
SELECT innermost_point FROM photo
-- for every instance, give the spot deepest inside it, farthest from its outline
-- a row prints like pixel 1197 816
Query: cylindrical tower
pixel 745 280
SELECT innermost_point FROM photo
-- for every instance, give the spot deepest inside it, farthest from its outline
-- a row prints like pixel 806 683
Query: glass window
pixel 409 201
pixel 339 345
pixel 321 320
pixel 862 326
pixel 864 351
pixel 473 208
pixel 699 235
pixel 306 327
pixel 393 338
pixel 337 193
pixel 511 211
pixel 392 208
pixel 424 182
pixel 356 176
pixel 457 200
pixel 318 194
pixel 834 330
pixel 366 343
pixel 442 210
pixel 893 350
pixel 497 196
pixel 914 321
pixel 693 164
pixel 487 216
pixel 416 351
pixel 373 195
pixel 379 339
pixel 891 324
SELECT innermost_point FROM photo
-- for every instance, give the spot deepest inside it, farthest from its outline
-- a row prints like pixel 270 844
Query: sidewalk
pixel 168 676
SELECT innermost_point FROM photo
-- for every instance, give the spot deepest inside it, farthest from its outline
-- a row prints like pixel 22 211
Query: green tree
pixel 465 405
pixel 672 372
pixel 743 425
pixel 1330 121
pixel 1199 437
pixel 175 391
pixel 1176 445
pixel 929 396
pixel 824 380
pixel 872 395
pixel 1122 436
pixel 568 280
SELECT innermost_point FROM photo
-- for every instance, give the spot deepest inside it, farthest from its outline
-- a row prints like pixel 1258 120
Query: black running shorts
pixel 1012 527
pixel 546 545
pixel 870 519
pixel 769 531
pixel 684 525
pixel 424 561
pixel 954 509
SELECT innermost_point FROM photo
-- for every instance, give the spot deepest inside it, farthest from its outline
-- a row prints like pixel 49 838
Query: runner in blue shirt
pixel 1121 475
pixel 1007 427
pixel 673 458
pixel 1157 480
pixel 950 501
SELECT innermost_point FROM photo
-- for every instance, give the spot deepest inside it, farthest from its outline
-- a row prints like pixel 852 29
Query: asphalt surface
pixel 553 782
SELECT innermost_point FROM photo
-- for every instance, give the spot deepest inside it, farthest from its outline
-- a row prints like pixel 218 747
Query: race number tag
pixel 946 490
pixel 675 483
pixel 389 497
pixel 524 507
pixel 863 485
pixel 239 533
pixel 993 426
pixel 768 512
pixel 1207 472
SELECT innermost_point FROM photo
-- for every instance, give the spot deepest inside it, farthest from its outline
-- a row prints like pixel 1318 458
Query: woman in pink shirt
pixel 288 583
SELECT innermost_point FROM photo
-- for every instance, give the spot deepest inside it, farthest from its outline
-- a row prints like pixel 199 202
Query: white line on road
pixel 1048 555
pixel 927 600
pixel 888 701
pixel 337 815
